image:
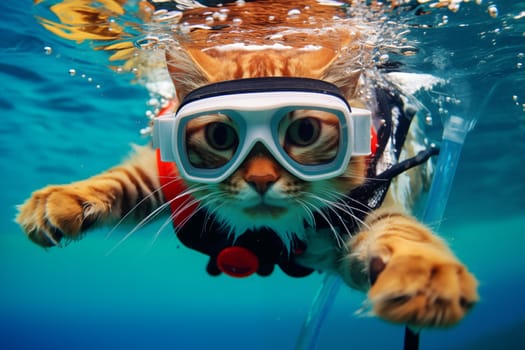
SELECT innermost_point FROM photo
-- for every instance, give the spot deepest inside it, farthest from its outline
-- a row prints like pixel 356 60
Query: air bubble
pixel 165 16
pixel 152 102
pixel 237 21
pixel 220 16
pixel 384 58
pixel 72 72
pixel 147 42
pixel 519 65
pixel 146 131
pixel 514 98
pixel 520 15
pixel 493 11
pixel 521 55
pixel 454 7
pixel 294 12
pixel 48 50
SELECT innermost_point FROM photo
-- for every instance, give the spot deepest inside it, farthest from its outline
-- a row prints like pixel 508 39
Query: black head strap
pixel 269 84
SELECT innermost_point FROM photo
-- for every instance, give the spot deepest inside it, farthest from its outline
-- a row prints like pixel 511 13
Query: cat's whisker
pixel 152 215
pixel 138 227
pixel 329 207
pixel 170 177
pixel 350 175
pixel 347 208
pixel 192 189
pixel 339 196
pixel 212 209
pixel 183 207
pixel 341 220
pixel 362 179
pixel 338 238
pixel 169 221
pixel 152 194
pixel 348 211
pixel 309 212
pixel 186 205
pixel 166 222
pixel 342 205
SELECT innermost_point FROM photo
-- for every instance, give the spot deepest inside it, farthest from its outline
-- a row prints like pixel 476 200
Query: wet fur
pixel 409 274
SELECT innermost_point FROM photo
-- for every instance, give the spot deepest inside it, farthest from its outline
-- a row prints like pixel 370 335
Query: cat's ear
pixel 312 63
pixel 328 65
pixel 208 65
pixel 190 68
pixel 348 83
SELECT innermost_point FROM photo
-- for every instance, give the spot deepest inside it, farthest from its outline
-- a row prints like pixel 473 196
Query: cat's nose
pixel 261 183
pixel 261 172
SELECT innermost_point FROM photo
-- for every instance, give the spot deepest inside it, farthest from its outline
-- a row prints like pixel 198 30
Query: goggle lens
pixel 311 137
pixel 307 136
pixel 211 140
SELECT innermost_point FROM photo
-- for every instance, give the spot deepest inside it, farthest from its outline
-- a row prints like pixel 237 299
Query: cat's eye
pixel 221 136
pixel 303 132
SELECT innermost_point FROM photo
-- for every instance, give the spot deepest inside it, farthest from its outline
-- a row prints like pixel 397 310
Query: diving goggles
pixel 305 124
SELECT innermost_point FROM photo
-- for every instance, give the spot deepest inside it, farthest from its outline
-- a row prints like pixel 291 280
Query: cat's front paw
pixel 55 212
pixel 424 289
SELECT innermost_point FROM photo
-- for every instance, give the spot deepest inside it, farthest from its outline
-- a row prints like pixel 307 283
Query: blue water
pixel 154 294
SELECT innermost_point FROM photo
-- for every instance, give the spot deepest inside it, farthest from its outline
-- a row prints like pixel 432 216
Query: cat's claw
pixel 46 236
pixel 420 291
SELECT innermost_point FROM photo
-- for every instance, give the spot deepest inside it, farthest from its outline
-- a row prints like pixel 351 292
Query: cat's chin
pixel 287 222
pixel 265 211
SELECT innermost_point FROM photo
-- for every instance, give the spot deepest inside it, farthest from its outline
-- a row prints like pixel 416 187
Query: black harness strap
pixel 394 122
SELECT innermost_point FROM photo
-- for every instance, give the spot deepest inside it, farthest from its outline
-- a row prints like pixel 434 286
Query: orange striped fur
pixel 409 273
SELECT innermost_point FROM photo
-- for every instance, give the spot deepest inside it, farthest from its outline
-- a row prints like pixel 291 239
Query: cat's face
pixel 261 192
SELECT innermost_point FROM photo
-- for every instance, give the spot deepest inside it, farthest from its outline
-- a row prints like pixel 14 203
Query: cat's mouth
pixel 264 209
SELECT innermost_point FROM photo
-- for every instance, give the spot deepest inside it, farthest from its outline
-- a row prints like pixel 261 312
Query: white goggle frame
pixel 258 115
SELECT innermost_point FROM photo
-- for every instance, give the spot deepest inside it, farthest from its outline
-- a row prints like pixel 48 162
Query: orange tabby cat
pixel 409 274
